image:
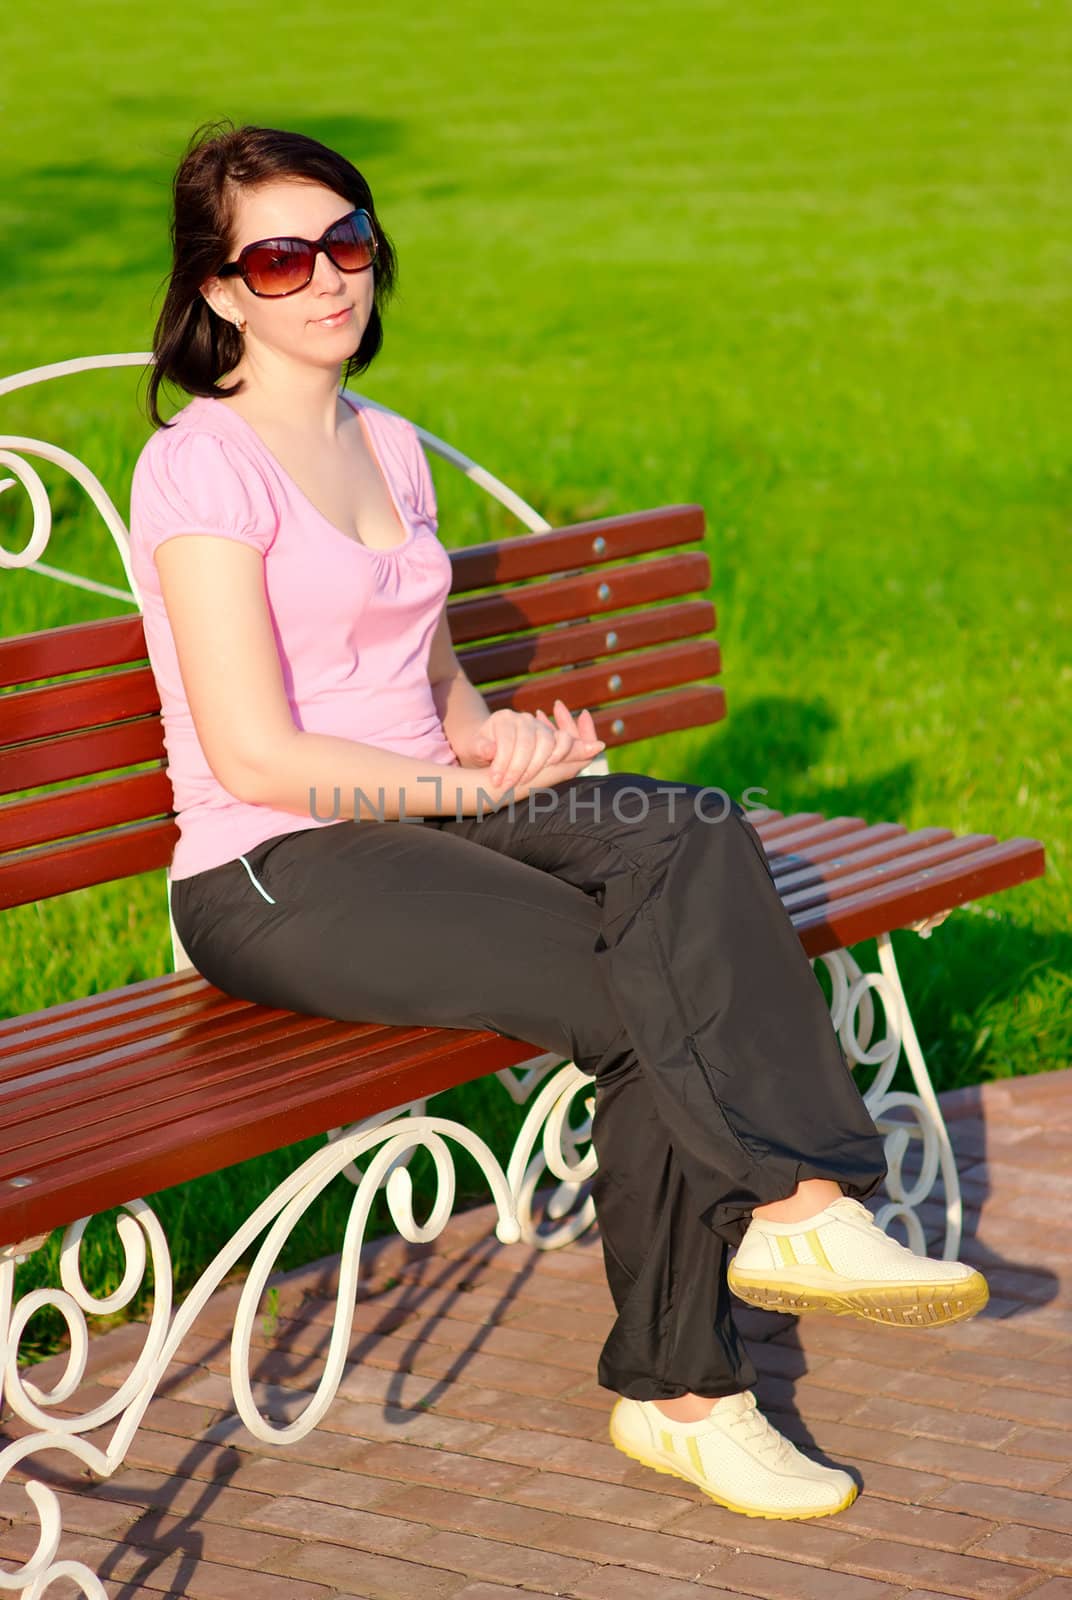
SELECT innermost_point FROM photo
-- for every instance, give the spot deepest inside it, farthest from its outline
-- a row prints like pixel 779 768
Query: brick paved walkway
pixel 466 1456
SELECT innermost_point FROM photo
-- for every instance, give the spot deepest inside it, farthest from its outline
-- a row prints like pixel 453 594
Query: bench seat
pixel 112 1096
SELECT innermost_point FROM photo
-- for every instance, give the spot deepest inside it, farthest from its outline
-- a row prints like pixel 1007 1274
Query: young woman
pixel 293 584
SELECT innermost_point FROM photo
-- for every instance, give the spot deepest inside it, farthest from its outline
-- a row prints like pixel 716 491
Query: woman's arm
pixel 462 708
pixel 213 592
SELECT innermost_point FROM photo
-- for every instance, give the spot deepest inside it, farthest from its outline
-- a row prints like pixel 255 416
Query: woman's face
pixel 292 325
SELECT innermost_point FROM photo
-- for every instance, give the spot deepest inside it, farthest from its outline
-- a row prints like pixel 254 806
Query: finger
pixel 506 739
pixel 527 736
pixel 543 753
pixel 563 741
pixel 584 730
pixel 564 718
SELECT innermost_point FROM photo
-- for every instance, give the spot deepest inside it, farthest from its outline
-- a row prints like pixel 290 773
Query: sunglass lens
pixel 279 267
pixel 352 243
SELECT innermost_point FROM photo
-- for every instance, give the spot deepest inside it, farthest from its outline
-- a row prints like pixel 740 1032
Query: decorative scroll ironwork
pixel 11 456
pixel 852 1010
pixel 387 1143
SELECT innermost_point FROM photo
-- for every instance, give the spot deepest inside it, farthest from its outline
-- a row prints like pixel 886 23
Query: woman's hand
pixel 518 746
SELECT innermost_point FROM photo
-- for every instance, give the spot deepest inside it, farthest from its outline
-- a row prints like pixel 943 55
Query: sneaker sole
pixel 902 1305
pixel 660 1464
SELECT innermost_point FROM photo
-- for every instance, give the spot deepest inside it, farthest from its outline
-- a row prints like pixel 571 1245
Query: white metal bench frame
pixel 375 1153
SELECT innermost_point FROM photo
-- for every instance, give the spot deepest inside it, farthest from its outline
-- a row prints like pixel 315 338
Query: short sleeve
pixel 188 481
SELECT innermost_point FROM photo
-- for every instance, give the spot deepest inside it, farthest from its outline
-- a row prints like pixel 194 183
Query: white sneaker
pixel 840 1261
pixel 734 1456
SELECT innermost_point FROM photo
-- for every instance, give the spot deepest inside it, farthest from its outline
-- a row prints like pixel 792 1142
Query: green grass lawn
pixel 806 267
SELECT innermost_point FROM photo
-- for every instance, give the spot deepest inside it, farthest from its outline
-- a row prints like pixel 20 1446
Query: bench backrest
pixel 614 602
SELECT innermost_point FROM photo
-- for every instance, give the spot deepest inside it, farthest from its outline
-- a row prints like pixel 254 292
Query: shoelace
pixel 749 1423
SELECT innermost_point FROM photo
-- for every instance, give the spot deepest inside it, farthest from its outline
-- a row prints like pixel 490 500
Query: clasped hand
pixel 521 747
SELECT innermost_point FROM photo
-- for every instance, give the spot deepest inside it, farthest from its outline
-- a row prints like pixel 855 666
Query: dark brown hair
pixel 192 346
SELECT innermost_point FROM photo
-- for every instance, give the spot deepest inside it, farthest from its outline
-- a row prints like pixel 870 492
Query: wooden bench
pixel 114 1095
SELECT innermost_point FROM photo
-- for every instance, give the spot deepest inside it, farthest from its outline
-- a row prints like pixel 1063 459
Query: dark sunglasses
pixel 275 267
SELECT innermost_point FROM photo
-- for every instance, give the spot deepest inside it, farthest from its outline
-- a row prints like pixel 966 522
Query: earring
pixel 239 323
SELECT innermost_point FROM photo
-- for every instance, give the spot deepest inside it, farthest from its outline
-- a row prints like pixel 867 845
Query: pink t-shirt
pixel 353 625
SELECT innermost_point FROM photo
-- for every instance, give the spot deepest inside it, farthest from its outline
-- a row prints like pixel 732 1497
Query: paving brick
pixel 880 1480
pixel 470 1513
pixel 579 1536
pixel 843 1444
pixel 585 1458
pixel 441 1426
pixel 968 1575
pixel 1007 1505
pixel 212 1541
pixel 518 1343
pixel 439 1361
pixel 636 1508
pixel 378 1577
pixel 976 1464
pixel 180 1572
pixel 786 1580
pixel 812 1542
pixel 618 1583
pixel 964 1364
pixel 1050 1551
pixel 544 1290
pixel 1051 1445
pixel 931 1389
pixel 328 1524
pixel 322 1448
pixel 930 1422
pixel 496 1591
pixel 922 1525
pixel 492 1406
pixel 823 1337
pixel 507 1563
pixel 477 1474
pixel 81 1513
pixel 1049 1410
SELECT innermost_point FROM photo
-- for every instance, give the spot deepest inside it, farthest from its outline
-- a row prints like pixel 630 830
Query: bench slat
pixel 76 647
pixel 919 895
pixel 833 858
pixel 583 544
pixel 193 1079
pixel 562 646
pixel 132 798
pixel 206 1029
pixel 79 755
pixel 72 1016
pixel 123 1168
pixel 57 869
pixel 590 686
pixel 61 708
pixel 831 888
pixel 566 599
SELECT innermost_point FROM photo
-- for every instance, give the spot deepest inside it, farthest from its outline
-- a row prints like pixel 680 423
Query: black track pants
pixel 630 924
